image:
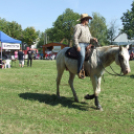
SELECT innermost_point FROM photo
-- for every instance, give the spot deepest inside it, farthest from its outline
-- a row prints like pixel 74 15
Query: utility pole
pixel 46 38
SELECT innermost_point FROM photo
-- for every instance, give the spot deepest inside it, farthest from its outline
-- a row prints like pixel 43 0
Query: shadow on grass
pixel 54 100
pixel 132 76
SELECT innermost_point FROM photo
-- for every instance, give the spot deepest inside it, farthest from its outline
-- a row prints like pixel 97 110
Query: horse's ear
pixel 120 48
pixel 127 46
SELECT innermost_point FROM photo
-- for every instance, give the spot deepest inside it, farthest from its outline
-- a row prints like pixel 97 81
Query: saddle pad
pixel 72 53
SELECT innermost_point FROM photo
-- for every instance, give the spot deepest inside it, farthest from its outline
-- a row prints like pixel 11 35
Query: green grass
pixel 28 104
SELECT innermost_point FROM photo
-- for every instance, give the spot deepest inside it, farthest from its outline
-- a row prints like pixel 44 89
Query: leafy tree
pixel 3 25
pixel 12 29
pixel 98 28
pixel 15 30
pixel 128 22
pixel 54 35
pixel 63 26
pixel 29 36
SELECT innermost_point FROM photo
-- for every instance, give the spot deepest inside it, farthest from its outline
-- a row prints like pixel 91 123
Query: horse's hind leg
pixel 71 79
pixel 59 75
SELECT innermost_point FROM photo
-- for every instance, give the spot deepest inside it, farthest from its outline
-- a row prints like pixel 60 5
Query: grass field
pixel 28 104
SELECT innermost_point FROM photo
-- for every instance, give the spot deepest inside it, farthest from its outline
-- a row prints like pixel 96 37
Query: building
pixel 122 39
pixel 52 48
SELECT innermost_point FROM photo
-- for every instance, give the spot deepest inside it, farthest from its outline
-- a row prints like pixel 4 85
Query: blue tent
pixel 4 38
pixel 7 39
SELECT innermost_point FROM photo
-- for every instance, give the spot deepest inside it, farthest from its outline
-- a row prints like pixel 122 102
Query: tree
pixel 63 26
pixel 128 22
pixel 41 39
pixel 29 36
pixel 98 28
pixel 52 35
pixel 13 29
pixel 3 25
pixel 112 30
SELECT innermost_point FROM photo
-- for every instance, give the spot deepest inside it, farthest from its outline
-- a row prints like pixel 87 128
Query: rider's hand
pixel 95 40
pixel 78 49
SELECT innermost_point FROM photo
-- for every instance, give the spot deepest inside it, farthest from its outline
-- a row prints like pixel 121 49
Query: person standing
pixel 2 64
pixel 16 55
pixel 82 37
pixel 41 55
pixel 21 58
pixel 29 52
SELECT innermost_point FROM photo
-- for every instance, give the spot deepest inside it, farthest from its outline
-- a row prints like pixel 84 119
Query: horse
pixel 95 67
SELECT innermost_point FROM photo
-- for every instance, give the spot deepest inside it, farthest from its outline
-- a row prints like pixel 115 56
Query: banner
pixel 10 46
pixel 56 48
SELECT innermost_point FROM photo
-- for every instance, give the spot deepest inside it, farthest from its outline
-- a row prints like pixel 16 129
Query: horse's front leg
pixel 71 79
pixel 96 83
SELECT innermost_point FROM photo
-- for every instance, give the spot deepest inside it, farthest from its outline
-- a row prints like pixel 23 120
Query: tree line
pixel 62 30
pixel 13 29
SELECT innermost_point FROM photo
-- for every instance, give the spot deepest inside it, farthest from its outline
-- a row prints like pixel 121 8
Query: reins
pixel 116 74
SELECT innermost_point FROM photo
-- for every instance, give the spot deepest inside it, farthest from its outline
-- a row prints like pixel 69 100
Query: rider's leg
pixel 81 56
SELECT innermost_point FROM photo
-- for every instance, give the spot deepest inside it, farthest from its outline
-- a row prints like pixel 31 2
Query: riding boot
pixel 81 72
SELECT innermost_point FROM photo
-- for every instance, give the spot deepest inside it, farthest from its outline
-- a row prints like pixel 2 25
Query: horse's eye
pixel 120 57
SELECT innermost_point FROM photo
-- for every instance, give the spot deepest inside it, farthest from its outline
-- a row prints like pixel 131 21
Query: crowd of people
pixel 50 55
pixel 29 55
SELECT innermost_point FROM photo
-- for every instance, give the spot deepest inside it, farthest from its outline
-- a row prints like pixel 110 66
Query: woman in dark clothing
pixel 29 52
pixel 21 58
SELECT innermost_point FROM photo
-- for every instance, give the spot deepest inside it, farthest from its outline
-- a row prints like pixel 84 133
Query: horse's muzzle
pixel 126 71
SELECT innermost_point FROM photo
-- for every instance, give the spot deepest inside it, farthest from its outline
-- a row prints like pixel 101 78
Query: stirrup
pixel 81 74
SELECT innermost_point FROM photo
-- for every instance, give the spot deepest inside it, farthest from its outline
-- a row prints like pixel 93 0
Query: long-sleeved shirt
pixel 81 34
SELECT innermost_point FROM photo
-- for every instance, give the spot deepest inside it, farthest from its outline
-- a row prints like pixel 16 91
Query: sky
pixel 41 14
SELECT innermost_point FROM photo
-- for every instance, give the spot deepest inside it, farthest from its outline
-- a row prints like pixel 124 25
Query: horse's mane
pixel 113 46
pixel 109 46
pixel 106 48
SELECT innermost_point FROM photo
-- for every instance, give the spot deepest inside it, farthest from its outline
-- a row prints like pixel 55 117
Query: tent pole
pixel 1 50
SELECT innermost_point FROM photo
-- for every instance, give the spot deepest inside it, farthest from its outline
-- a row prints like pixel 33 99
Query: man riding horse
pixel 82 37
pixel 99 59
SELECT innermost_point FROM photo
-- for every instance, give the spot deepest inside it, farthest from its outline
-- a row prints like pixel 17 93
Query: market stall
pixel 50 50
pixel 8 43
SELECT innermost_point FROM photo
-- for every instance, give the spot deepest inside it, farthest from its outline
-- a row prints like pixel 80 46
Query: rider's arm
pixel 77 32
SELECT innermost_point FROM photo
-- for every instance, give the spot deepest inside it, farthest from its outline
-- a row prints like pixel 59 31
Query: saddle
pixel 73 53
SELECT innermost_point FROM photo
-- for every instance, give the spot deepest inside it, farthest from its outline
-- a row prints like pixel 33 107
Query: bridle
pixel 115 73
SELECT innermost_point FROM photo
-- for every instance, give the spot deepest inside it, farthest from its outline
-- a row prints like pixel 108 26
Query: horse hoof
pixel 100 109
pixel 87 97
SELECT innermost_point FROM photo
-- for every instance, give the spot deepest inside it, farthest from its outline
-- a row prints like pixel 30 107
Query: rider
pixel 82 38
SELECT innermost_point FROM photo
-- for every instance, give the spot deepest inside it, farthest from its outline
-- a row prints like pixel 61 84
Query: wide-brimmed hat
pixel 85 15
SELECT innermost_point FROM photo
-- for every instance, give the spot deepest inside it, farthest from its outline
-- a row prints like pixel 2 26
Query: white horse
pixel 101 58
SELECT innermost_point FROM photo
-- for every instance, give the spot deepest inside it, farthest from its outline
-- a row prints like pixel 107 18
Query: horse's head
pixel 122 59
